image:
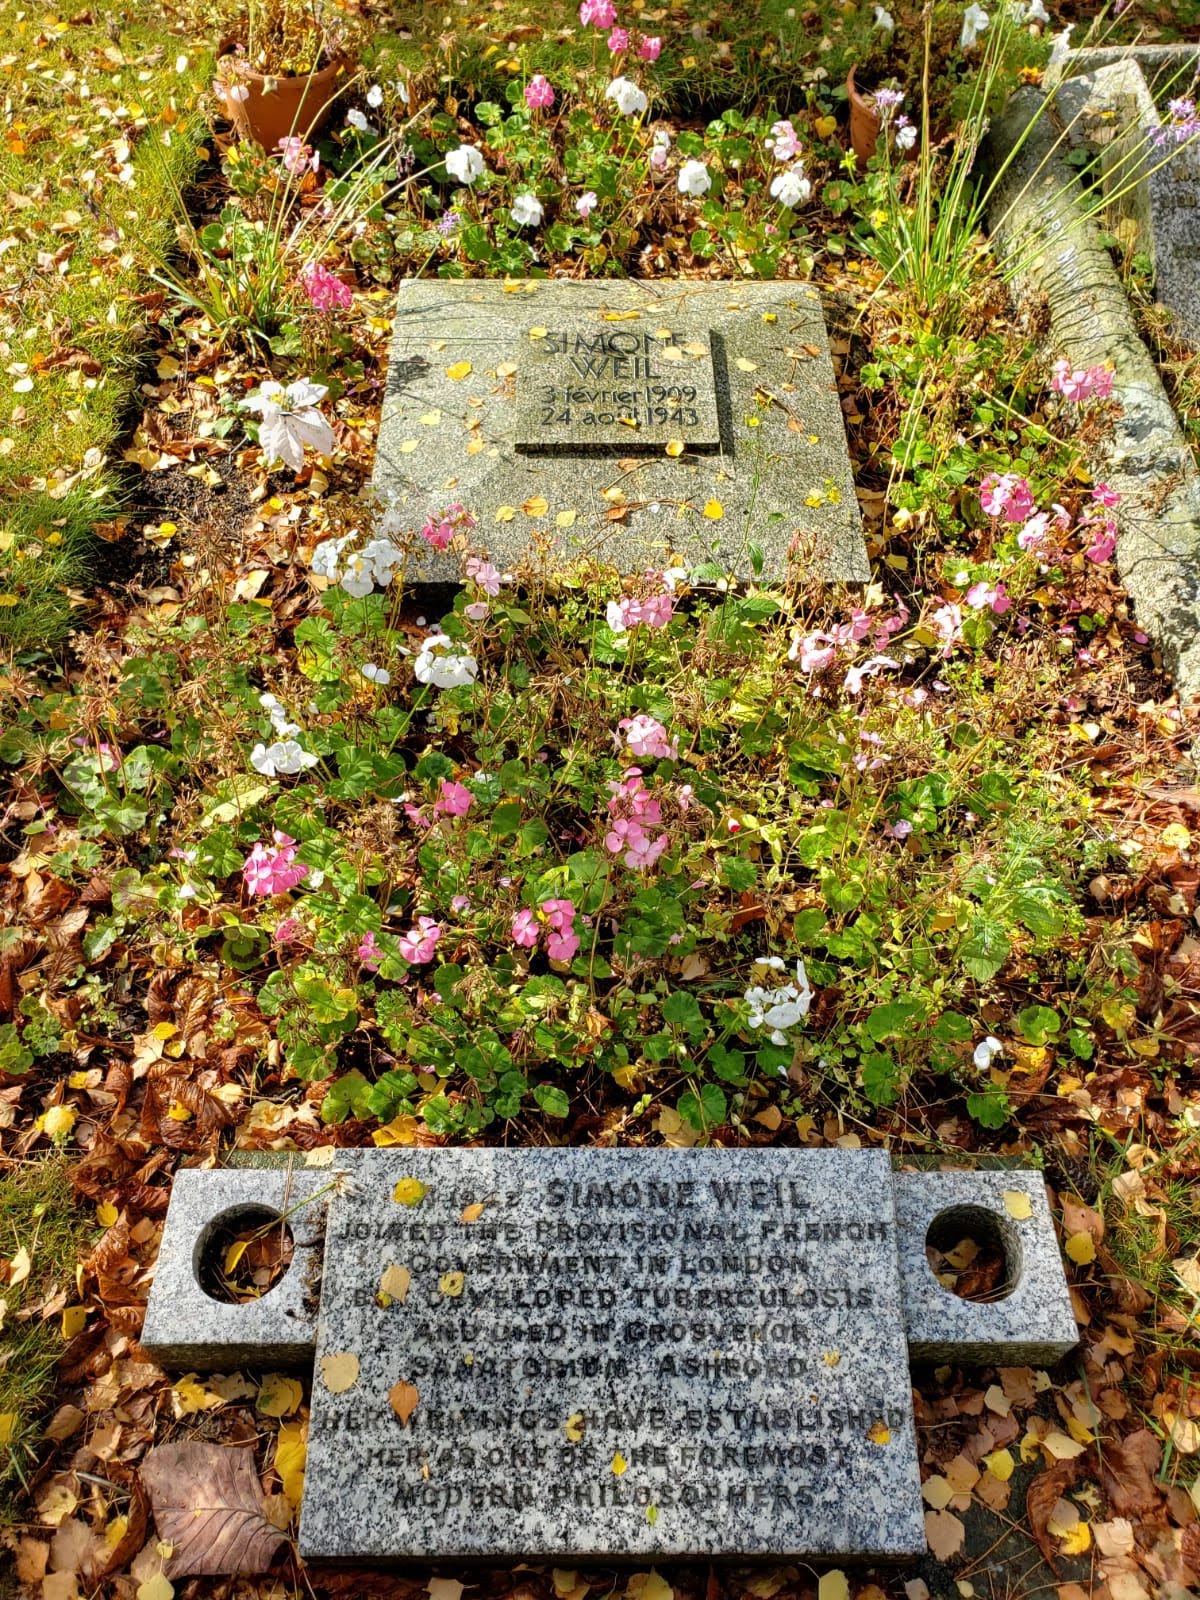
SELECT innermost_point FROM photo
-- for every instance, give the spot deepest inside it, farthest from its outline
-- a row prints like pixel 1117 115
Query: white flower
pixel 384 557
pixel 631 101
pixel 694 178
pixel 290 420
pixel 277 712
pixel 325 557
pixel 791 188
pixel 1037 12
pixel 1060 49
pixel 357 120
pixel 586 204
pixel 374 674
pixel 527 210
pixel 884 20
pixel 374 97
pixel 614 616
pixel 906 135
pixel 987 1052
pixel 444 668
pixel 975 20
pixel 285 757
pixel 782 1008
pixel 465 163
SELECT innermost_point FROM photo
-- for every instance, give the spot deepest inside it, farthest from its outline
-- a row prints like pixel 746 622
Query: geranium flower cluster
pixel 290 420
pixel 1008 497
pixel 646 736
pixel 325 291
pixel 359 572
pixel 603 14
pixel 421 940
pixel 791 187
pixel 269 872
pixel 286 756
pixel 439 529
pixel 444 664
pixel 455 800
pixel 652 609
pixel 633 812
pixel 296 158
pixel 562 942
pixel 1094 383
pixel 817 650
pixel 782 1007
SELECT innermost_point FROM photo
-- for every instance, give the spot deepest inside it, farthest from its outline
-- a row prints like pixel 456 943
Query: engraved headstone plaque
pixel 635 424
pixel 587 385
pixel 597 1355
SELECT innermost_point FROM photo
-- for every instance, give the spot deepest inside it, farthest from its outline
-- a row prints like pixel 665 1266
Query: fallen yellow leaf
pixel 409 1192
pixel 1081 1249
pixel 339 1371
pixel 1018 1204
pixel 714 510
pixel 460 369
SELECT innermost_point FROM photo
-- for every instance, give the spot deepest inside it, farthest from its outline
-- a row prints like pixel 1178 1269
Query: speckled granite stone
pixel 628 1354
pixel 1032 1324
pixel 185 1327
pixel 740 373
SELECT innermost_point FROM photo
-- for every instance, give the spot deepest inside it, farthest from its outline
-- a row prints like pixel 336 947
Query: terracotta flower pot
pixel 864 122
pixel 298 105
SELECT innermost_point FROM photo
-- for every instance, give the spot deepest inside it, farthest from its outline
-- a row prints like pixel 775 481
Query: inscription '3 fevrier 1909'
pixel 615 1367
pixel 621 388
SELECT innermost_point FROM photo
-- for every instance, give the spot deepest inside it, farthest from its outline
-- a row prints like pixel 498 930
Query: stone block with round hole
pixel 1029 1320
pixel 189 1321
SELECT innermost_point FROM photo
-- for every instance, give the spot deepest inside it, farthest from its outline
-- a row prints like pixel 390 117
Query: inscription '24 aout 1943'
pixel 621 386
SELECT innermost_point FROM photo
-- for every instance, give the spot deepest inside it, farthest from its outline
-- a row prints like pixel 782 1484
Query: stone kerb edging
pixel 1051 248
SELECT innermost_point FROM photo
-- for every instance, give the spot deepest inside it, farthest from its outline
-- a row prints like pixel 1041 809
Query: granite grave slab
pixel 633 422
pixel 611 1354
pixel 1154 189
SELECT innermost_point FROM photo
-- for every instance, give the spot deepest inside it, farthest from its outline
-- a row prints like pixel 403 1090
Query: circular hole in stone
pixel 973 1254
pixel 243 1254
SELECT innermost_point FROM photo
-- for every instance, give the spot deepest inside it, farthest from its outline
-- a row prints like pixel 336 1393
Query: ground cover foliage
pixel 295 855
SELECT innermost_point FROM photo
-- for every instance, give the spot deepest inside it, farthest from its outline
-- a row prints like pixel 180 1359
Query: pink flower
pixel 296 157
pixel 484 574
pixel 784 142
pixel 287 931
pixel 899 829
pixel 1105 496
pixel 646 737
pixel 369 953
pixel 653 610
pixel 562 941
pixel 325 291
pixel 419 943
pixel 1104 541
pixel 1034 531
pixel 1101 380
pixel 650 48
pixel 597 13
pixel 524 929
pixel 991 595
pixel 440 529
pixel 946 622
pixel 538 93
pixel 1006 495
pixel 460 903
pixel 853 681
pixel 586 204
pixel 276 871
pixel 455 800
pixel 815 652
pixel 618 40
pixel 476 611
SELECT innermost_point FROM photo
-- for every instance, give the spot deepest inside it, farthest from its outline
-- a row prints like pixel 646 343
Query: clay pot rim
pixel 247 74
pixel 858 97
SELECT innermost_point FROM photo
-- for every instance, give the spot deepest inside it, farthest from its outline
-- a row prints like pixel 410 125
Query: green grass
pixel 78 244
pixel 38 1213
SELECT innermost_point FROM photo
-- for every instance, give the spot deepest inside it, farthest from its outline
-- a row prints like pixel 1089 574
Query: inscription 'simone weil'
pixel 623 1350
pixel 628 387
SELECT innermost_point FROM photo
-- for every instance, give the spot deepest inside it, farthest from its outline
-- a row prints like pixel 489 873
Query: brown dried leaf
pixel 403 1399
pixel 1127 1470
pixel 208 1506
